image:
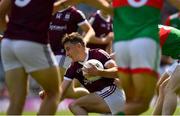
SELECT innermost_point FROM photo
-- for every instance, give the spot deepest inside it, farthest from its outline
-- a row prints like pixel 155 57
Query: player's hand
pixel 162 87
pixel 91 71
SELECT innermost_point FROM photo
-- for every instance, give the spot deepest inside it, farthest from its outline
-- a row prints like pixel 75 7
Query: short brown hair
pixel 73 38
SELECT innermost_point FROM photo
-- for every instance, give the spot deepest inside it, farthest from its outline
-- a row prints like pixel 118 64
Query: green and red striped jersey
pixel 136 18
pixel 170 41
pixel 173 20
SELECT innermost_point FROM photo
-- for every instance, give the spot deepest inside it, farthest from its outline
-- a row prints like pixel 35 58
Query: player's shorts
pixel 114 98
pixel 63 61
pixel 30 55
pixel 139 53
pixel 172 68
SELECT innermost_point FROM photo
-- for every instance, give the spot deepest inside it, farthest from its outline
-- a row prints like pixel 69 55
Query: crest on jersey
pixel 67 17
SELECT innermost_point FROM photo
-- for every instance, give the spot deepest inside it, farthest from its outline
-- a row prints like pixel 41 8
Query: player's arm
pixel 89 31
pixel 100 4
pixel 160 99
pixel 110 72
pixel 5 6
pixel 63 87
pixel 175 3
pixel 109 47
pixel 102 41
pixel 97 40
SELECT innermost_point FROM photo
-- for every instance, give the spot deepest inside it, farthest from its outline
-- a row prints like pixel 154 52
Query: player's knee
pixel 53 94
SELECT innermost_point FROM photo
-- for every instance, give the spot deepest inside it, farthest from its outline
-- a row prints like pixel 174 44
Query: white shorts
pixel 114 98
pixel 30 55
pixel 63 61
pixel 172 68
pixel 137 53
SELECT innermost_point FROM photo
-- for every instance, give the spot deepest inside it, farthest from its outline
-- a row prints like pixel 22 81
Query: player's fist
pixel 42 94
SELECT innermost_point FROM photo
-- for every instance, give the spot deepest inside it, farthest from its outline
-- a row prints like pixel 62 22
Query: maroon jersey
pixel 65 21
pixel 29 20
pixel 75 71
pixel 101 26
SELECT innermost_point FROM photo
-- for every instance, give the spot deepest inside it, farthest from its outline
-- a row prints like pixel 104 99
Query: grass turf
pixel 67 112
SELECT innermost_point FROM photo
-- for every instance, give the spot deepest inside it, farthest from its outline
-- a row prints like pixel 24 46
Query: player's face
pixel 72 51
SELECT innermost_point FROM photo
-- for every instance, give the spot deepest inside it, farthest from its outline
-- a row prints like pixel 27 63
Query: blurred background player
pixel 25 50
pixel 168 84
pixel 102 25
pixel 104 96
pixel 173 20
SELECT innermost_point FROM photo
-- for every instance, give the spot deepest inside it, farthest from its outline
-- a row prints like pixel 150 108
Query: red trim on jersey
pixel 145 70
pixel 152 3
pixel 124 70
pixel 163 33
pixel 167 22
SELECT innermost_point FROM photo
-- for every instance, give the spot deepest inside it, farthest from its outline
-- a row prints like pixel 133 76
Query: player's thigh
pixel 126 83
pixel 93 103
pixel 114 98
pixel 39 61
pixel 17 82
pixel 145 58
pixel 122 58
pixel 48 78
pixel 15 75
pixel 144 86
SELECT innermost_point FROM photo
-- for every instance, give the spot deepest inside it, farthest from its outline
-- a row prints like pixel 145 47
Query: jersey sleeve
pixel 69 75
pixel 104 56
pixel 167 21
pixel 79 17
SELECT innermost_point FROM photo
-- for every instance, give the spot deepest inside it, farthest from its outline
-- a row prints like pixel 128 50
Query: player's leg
pixel 89 103
pixel 171 91
pixel 123 61
pixel 109 100
pixel 145 58
pixel 15 77
pixel 48 79
pixel 161 87
pixel 159 102
pixel 40 63
pixel 16 80
pixel 164 76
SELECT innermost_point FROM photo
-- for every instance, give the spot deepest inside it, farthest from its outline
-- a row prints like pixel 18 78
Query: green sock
pixel 120 113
